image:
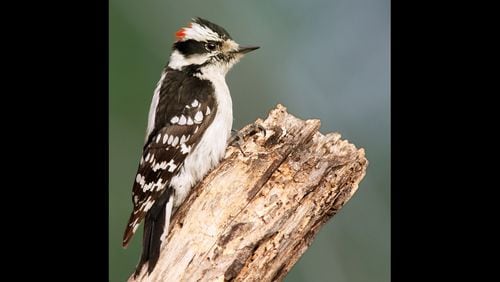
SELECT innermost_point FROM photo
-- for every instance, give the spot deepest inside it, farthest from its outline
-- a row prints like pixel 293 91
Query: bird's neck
pixel 218 79
pixel 211 72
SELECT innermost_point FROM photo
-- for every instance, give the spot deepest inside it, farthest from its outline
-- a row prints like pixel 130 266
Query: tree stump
pixel 254 215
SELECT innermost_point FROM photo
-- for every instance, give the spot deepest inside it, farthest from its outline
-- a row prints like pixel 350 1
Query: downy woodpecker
pixel 189 124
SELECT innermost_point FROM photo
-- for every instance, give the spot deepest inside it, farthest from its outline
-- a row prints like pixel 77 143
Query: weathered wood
pixel 253 216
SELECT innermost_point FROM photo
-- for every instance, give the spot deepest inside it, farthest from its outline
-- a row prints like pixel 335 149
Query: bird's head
pixel 205 44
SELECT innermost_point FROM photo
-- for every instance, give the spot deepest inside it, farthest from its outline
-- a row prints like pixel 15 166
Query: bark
pixel 253 216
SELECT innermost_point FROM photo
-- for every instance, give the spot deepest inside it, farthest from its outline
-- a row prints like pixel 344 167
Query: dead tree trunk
pixel 253 216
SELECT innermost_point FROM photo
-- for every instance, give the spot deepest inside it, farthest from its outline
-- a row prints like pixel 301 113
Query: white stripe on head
pixel 200 33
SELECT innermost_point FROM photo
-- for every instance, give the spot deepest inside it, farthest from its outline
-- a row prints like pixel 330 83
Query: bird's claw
pixel 256 128
pixel 237 139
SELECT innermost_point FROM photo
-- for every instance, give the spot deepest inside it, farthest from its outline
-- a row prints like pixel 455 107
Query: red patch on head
pixel 180 34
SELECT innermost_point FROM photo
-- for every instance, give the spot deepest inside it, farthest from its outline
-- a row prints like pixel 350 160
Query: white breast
pixel 212 146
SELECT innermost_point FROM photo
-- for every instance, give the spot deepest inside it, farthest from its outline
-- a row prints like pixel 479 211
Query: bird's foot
pixel 237 139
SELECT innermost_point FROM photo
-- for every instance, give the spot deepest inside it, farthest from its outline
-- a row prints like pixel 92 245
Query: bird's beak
pixel 246 49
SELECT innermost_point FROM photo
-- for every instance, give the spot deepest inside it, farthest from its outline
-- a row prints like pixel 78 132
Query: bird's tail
pixel 156 226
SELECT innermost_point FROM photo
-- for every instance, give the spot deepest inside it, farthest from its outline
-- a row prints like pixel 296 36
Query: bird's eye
pixel 210 46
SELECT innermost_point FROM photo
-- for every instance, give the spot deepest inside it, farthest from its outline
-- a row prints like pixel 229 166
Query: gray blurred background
pixel 321 59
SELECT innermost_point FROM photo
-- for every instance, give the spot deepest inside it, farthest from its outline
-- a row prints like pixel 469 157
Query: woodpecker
pixel 189 124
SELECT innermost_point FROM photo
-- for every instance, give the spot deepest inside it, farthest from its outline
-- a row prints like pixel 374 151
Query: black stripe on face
pixel 190 47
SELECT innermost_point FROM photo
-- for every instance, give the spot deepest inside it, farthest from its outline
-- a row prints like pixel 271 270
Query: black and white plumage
pixel 189 123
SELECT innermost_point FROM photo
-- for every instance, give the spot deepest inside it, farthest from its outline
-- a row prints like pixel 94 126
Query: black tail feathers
pixel 154 226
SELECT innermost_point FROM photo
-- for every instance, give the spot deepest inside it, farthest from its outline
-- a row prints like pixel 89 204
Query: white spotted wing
pixel 166 149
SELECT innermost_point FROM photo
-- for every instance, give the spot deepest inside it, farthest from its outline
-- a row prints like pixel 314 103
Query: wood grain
pixel 253 216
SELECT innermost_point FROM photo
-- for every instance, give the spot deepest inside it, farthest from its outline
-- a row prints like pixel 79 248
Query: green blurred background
pixel 321 59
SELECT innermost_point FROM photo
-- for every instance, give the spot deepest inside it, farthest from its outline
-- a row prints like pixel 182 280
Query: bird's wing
pixel 177 133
